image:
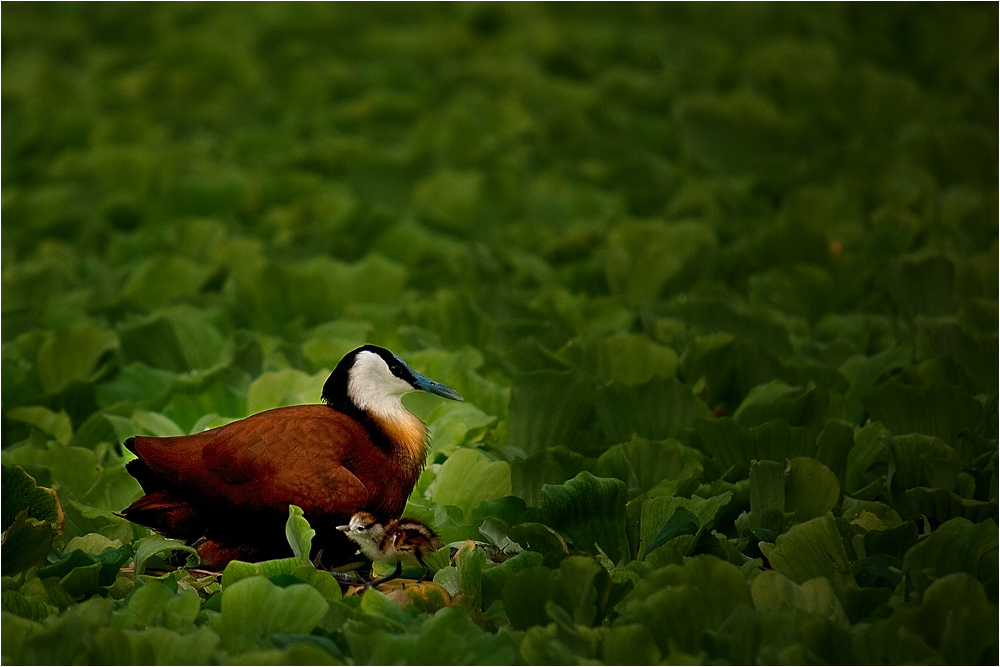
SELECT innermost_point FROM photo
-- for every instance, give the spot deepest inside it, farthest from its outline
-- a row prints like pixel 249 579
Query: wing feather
pixel 287 455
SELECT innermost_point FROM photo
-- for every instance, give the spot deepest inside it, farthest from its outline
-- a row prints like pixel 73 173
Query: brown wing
pixel 287 455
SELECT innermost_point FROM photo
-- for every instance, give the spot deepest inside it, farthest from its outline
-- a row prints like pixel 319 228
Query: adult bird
pixel 226 491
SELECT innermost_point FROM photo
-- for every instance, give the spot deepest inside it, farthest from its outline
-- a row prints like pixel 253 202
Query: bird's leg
pixel 427 570
pixel 348 579
pixel 398 571
pixel 318 560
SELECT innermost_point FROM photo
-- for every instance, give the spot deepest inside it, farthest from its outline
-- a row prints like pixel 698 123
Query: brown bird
pixel 227 490
pixel 392 540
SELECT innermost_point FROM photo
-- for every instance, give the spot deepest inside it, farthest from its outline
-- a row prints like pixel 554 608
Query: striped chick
pixel 392 540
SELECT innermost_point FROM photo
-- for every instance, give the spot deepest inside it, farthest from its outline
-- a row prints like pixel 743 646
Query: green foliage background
pixel 718 282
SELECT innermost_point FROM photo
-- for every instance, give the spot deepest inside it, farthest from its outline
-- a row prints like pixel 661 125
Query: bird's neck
pixel 401 430
pixel 405 432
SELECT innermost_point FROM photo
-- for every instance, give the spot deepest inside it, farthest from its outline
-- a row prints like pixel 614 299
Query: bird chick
pixel 393 540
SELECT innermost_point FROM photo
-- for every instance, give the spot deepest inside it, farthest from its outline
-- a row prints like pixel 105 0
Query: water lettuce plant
pixel 717 282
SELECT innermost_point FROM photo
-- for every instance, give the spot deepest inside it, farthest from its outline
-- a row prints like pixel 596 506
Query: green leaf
pixel 809 550
pixel 71 353
pixel 82 579
pixel 871 444
pixel 201 344
pixel 547 408
pixel 468 478
pixel 103 428
pixel 681 522
pixel 496 578
pixel 155 424
pixel 495 530
pixel 28 607
pixel 585 586
pixel 74 468
pixel 923 285
pixel 590 511
pixel 549 466
pixel 643 464
pixel 56 424
pixel 646 258
pixel 470 563
pixel 254 608
pixel 538 537
pixel 322 643
pixel 21 493
pixel 177 339
pixel 657 409
pixel 83 519
pixel 798 406
pixel 562 642
pixel 833 444
pixel 387 610
pixel 157 545
pixel 285 387
pixel 767 496
pixel 893 542
pixel 864 373
pixel 735 444
pixel 525 594
pixel 164 279
pixel 312 290
pixel 936 410
pixel 942 505
pixel 451 425
pixel 26 543
pixel 155 603
pixel 811 489
pixel 299 533
pixel 447 638
pixel 630 645
pixel 677 603
pixel 109 560
pixel 329 342
pixel 957 607
pixel 509 509
pixel 322 581
pixel 151 342
pixel 628 359
pixel 450 199
pixel 16 629
pixel 739 134
pixel 238 570
pixel 772 590
pixel 114 489
pixel 658 510
pixel 958 545
pixel 156 645
pixel 924 461
pixel 954 625
pixel 68 639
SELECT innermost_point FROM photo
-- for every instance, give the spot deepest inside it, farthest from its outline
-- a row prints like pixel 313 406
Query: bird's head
pixel 373 379
pixel 366 531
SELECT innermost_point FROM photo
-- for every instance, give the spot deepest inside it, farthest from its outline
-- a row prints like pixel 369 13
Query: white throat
pixel 373 388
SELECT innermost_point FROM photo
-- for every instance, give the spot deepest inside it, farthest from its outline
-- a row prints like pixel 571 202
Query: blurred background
pixel 240 188
pixel 196 194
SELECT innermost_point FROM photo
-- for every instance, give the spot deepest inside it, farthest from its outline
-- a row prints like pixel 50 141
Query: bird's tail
pixel 167 515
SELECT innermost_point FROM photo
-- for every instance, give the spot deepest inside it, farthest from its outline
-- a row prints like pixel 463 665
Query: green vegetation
pixel 718 283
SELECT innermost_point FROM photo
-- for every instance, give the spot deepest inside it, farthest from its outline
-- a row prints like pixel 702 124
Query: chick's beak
pixel 430 386
pixel 345 529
